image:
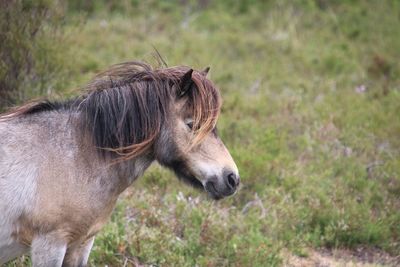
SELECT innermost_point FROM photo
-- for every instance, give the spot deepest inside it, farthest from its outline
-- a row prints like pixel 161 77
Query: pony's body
pixel 33 182
pixel 58 187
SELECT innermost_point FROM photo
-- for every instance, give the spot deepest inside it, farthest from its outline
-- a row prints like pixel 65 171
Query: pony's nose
pixel 232 181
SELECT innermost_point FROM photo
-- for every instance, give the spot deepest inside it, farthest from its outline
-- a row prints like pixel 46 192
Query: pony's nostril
pixel 232 181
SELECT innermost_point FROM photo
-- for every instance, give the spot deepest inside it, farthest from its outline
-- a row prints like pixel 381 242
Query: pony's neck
pixel 127 172
pixel 117 174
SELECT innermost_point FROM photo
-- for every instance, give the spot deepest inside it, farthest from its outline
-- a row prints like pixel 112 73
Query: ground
pixel 341 257
pixel 311 110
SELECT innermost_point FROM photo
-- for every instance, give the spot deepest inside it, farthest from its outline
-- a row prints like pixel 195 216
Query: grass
pixel 311 116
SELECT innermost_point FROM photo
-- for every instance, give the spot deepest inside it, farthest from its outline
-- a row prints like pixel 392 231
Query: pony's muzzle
pixel 224 187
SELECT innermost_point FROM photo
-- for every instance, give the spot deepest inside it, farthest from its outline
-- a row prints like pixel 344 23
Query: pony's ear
pixel 205 71
pixel 186 83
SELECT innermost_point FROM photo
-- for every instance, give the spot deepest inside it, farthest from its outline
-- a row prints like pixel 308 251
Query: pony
pixel 64 164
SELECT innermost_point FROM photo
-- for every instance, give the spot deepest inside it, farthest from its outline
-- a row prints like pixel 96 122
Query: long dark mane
pixel 125 106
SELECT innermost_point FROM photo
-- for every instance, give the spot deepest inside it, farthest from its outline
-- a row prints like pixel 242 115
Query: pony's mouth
pixel 212 191
pixel 211 186
pixel 216 194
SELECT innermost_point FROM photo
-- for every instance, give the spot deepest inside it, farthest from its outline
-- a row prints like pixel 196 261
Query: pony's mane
pixel 125 106
pixel 38 106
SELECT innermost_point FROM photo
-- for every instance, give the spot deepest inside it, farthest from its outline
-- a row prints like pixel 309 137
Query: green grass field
pixel 311 115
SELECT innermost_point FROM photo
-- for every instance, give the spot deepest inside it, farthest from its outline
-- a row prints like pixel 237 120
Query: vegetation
pixel 31 45
pixel 311 115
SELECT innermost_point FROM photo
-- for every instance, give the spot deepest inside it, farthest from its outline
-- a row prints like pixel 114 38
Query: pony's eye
pixel 189 124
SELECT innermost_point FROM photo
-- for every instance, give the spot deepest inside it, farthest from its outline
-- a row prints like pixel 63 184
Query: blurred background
pixel 311 115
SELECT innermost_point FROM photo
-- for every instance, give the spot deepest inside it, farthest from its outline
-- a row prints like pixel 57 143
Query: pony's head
pixel 169 114
pixel 189 143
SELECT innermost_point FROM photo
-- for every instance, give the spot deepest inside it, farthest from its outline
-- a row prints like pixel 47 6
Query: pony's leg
pixel 47 251
pixel 78 255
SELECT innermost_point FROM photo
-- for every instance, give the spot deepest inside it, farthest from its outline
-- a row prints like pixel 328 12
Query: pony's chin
pixel 216 193
pixel 213 192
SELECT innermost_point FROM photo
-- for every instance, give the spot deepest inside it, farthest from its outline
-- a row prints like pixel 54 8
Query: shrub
pixel 31 49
